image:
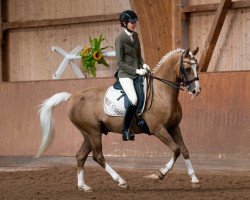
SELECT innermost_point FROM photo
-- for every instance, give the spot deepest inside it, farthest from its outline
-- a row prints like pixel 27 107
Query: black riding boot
pixel 141 123
pixel 129 115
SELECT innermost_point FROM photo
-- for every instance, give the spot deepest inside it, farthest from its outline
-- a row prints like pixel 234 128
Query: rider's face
pixel 131 26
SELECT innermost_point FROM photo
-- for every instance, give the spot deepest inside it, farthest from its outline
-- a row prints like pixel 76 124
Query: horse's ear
pixel 186 53
pixel 194 52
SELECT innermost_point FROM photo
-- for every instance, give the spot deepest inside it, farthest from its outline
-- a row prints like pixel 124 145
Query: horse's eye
pixel 188 69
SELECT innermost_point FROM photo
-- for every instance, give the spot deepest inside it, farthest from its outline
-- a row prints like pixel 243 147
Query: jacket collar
pixel 130 34
pixel 127 37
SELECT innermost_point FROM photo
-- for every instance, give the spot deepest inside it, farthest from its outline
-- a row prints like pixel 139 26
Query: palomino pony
pixel 176 68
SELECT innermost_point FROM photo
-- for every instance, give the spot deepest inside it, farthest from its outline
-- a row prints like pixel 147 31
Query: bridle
pixel 184 78
pixel 185 81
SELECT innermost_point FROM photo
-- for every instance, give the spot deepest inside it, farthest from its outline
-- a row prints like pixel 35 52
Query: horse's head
pixel 188 72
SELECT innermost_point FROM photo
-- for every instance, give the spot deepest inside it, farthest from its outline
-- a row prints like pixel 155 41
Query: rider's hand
pixel 145 66
pixel 141 72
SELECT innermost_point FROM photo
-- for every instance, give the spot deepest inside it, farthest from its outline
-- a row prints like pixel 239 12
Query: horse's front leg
pixel 165 137
pixel 177 137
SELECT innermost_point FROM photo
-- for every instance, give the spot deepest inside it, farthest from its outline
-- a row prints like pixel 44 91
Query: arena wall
pixel 215 124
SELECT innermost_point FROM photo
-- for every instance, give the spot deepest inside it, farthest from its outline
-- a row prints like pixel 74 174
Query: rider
pixel 131 65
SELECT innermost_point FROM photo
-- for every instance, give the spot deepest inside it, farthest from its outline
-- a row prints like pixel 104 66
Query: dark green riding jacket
pixel 128 55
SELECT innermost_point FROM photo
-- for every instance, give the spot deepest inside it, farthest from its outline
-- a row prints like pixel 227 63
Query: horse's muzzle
pixel 196 92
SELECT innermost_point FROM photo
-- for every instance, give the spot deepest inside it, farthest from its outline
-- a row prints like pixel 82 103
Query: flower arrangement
pixel 92 55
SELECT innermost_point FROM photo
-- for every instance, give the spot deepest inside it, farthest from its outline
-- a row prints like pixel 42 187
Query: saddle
pixel 116 101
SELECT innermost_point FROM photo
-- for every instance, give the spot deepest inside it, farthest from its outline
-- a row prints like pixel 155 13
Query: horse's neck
pixel 168 72
pixel 166 68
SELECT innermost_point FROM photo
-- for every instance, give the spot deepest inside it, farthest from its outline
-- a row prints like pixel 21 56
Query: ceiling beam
pixel 214 7
pixel 155 27
pixel 214 34
pixel 176 24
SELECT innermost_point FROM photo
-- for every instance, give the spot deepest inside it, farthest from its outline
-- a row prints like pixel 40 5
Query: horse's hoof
pixel 123 185
pixel 196 185
pixel 152 176
pixel 85 188
pixel 161 175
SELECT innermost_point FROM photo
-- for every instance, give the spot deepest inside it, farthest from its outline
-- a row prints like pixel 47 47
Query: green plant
pixel 92 55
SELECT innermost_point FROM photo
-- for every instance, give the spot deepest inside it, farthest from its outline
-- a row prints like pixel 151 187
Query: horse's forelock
pixel 191 54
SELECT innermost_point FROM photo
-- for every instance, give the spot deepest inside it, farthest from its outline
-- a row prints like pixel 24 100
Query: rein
pixel 150 91
pixel 172 84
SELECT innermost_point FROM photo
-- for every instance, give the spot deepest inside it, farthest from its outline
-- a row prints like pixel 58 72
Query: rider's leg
pixel 128 87
pixel 141 123
pixel 128 119
pixel 139 89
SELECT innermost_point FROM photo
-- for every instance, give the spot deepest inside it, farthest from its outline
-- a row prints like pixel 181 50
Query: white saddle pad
pixel 115 107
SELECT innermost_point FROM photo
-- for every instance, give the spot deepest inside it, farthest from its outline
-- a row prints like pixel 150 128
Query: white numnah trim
pixel 46 109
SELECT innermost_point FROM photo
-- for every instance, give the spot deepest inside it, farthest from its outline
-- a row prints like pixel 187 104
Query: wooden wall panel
pixel 215 124
pixel 30 56
pixel 232 49
pixel 22 10
pixel 198 2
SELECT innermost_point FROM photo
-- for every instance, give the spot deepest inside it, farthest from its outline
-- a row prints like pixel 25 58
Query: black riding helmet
pixel 127 16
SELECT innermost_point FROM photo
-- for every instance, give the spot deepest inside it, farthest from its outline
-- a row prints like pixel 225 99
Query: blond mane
pixel 164 58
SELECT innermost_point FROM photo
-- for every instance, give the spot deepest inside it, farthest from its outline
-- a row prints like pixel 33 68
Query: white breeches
pixel 128 87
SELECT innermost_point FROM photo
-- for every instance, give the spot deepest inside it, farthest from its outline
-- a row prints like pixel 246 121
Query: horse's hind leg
pixel 81 158
pixel 177 137
pixel 96 143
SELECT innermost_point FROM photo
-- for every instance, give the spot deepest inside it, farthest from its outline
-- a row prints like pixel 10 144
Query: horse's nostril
pixel 193 91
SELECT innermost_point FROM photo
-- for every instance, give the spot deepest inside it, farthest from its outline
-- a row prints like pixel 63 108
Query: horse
pixel 178 69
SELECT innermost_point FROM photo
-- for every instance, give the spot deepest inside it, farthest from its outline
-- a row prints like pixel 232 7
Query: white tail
pixel 46 109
